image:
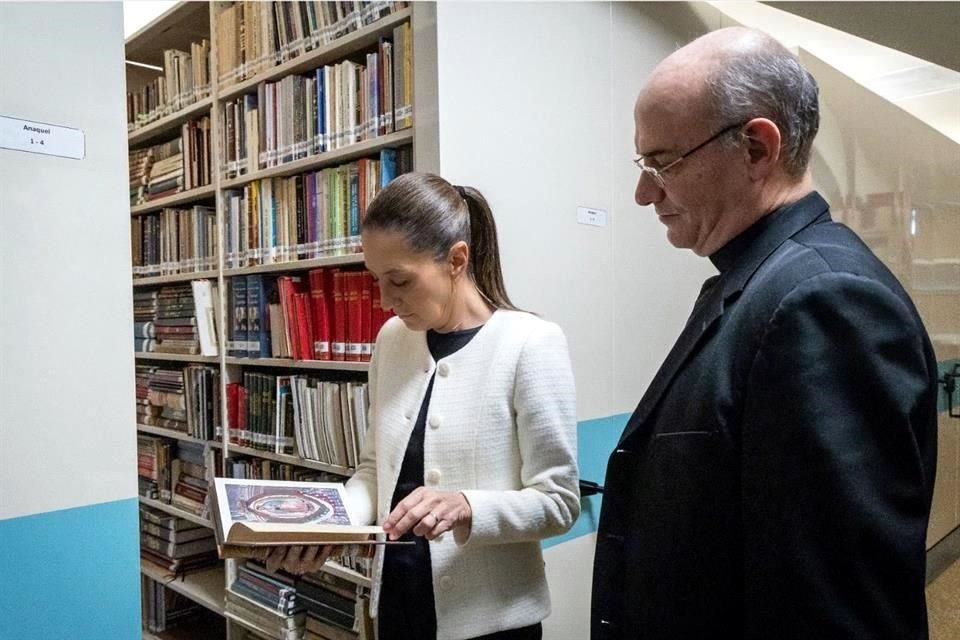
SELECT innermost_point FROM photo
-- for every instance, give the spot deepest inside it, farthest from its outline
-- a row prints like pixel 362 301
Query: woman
pixel 471 452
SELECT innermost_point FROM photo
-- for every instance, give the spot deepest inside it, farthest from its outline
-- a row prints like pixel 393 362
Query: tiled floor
pixel 943 604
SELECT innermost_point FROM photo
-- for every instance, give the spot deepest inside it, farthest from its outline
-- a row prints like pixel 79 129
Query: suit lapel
pixel 702 318
pixel 756 246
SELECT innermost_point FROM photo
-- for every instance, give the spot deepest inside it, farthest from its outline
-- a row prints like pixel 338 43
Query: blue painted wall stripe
pixel 595 442
pixel 73 573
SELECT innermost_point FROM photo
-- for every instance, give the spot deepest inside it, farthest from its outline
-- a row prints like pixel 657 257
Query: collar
pixel 739 259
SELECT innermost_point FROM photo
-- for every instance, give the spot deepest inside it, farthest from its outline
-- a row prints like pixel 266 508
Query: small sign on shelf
pixel 39 137
pixel 591 216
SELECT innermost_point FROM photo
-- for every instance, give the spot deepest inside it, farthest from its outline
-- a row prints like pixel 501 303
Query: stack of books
pixel 174 544
pixel 176 323
pixel 145 307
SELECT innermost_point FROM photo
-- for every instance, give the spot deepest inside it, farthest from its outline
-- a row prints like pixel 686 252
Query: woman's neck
pixel 469 311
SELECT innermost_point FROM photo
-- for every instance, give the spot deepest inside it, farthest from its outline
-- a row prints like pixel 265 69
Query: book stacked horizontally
pixel 166 171
pixel 145 307
pixel 165 396
pixel 153 466
pixel 190 473
pixel 176 323
pixel 334 608
pixel 269 599
pixel 175 544
pixel 139 165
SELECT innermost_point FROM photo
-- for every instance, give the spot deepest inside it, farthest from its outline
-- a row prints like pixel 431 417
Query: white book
pixel 280 512
pixel 206 325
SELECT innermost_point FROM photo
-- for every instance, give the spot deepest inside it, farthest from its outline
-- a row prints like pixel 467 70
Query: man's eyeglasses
pixel 657 174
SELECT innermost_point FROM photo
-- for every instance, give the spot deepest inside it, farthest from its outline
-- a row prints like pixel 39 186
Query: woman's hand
pixel 428 513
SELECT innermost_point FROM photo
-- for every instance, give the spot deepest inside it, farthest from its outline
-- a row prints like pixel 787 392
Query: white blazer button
pixel 435 422
pixel 443 369
pixel 408 416
pixel 446 583
pixel 433 476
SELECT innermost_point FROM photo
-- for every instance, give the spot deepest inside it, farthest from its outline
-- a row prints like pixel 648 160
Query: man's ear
pixel 762 146
pixel 457 258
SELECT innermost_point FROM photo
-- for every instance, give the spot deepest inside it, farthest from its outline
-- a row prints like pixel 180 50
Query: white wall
pixel 655 283
pixel 524 111
pixel 535 109
pixel 67 411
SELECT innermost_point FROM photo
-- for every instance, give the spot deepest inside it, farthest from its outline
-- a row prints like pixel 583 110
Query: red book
pixel 233 410
pixel 285 288
pixel 339 333
pixel 290 287
pixel 241 416
pixel 366 315
pixel 354 282
pixel 321 315
pixel 304 333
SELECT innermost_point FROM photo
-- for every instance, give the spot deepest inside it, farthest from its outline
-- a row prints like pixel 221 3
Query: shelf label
pixel 40 137
pixel 595 217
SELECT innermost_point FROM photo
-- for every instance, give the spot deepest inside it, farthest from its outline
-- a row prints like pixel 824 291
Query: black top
pixel 407 609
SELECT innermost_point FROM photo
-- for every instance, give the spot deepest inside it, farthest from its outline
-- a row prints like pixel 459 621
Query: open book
pixel 252 513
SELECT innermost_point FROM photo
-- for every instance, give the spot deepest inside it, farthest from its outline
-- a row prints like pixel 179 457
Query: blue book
pixel 321 111
pixel 238 317
pixel 388 166
pixel 354 177
pixel 258 331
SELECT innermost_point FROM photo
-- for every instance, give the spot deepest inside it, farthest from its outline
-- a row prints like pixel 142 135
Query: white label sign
pixel 595 217
pixel 40 137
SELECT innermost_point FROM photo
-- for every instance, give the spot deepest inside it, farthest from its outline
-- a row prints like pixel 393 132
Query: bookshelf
pixel 352 152
pixel 172 510
pixel 204 587
pixel 159 128
pixel 197 124
pixel 187 197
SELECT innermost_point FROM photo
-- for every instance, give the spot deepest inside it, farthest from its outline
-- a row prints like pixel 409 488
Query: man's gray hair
pixel 769 82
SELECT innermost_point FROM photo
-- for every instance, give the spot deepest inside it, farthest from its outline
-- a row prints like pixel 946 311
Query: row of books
pixel 312 606
pixel 247 467
pixel 163 607
pixel 156 171
pixel 332 314
pixel 174 241
pixel 172 320
pixel 299 415
pixel 184 400
pixel 174 544
pixel 176 319
pixel 310 215
pixel 170 167
pixel 184 81
pixel 335 106
pixel 255 36
pixel 176 472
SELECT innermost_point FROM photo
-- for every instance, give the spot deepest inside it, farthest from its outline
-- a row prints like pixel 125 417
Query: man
pixel 775 480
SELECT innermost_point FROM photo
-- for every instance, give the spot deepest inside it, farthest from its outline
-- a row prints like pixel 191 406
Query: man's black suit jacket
pixel 775 480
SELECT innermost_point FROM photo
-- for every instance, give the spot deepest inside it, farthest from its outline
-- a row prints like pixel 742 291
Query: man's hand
pixel 428 513
pixel 298 559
